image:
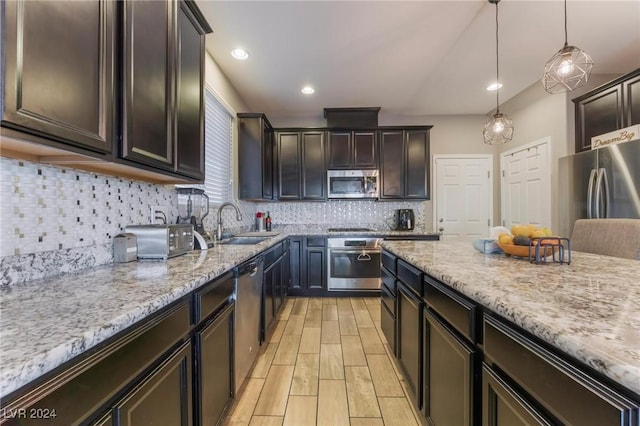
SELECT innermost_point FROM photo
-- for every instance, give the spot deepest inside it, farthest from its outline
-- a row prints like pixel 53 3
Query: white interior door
pixel 464 196
pixel 526 185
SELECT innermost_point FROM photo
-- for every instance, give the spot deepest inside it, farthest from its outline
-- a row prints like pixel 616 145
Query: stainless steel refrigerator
pixel 601 183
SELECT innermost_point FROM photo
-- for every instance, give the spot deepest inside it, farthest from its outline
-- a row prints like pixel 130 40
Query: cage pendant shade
pixel 499 129
pixel 568 69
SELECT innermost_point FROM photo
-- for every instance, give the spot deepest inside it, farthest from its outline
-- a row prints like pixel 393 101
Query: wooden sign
pixel 617 136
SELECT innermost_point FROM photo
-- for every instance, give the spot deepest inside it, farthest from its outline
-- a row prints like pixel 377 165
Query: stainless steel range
pixel 353 263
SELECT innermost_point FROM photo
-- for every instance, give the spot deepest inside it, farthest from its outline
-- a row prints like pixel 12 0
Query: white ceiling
pixel 412 58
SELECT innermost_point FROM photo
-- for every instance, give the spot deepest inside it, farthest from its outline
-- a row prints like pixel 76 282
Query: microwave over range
pixel 351 184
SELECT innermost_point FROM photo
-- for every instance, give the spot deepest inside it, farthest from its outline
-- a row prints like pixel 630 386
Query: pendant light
pixel 569 68
pixel 499 129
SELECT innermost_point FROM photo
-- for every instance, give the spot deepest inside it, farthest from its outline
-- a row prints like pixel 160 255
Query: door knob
pixel 441 220
pixel 441 229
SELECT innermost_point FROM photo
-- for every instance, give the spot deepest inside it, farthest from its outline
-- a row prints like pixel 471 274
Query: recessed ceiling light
pixel 240 54
pixel 494 86
pixel 308 90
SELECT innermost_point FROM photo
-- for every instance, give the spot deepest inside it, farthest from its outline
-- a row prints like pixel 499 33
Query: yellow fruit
pixel 539 234
pixel 505 239
pixel 547 232
pixel 523 230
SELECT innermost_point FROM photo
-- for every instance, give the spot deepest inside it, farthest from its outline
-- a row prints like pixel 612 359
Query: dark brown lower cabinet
pixel 296 246
pixel 285 277
pixel 214 344
pixel 164 397
pixel 308 267
pixel 388 317
pixel 502 406
pixel 448 375
pixel 562 390
pixel 409 339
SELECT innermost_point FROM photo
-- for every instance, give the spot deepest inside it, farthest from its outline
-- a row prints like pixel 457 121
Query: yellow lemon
pixel 539 234
pixel 523 230
pixel 505 239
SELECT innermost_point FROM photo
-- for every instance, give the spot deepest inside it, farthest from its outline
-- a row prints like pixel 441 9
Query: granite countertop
pixel 46 322
pixel 588 309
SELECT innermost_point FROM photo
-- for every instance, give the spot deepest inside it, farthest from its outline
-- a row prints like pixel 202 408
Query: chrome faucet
pixel 219 228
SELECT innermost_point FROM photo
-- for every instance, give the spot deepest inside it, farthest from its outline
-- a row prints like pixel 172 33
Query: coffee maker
pixel 405 220
pixel 193 207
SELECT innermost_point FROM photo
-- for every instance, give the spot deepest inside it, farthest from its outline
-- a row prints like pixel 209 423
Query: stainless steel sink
pixel 244 240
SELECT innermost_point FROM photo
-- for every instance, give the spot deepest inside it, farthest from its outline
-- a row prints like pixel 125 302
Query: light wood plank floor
pixel 326 362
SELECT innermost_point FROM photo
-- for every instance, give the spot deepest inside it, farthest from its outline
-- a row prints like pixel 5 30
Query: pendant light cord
pixel 497 67
pixel 565 24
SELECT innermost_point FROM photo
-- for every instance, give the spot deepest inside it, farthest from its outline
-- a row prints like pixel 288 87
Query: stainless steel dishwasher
pixel 247 319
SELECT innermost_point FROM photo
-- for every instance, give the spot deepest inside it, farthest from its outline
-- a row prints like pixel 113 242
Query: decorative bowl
pixel 527 251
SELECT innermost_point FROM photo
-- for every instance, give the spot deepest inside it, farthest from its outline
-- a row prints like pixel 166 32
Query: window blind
pixel 218 136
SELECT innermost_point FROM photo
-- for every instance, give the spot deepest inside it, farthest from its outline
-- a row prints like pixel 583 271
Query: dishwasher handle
pixel 254 269
pixel 250 268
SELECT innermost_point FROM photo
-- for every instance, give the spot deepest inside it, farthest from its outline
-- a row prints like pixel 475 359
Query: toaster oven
pixel 160 241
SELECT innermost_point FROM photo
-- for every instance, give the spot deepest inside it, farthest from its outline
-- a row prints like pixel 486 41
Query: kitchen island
pixel 582 317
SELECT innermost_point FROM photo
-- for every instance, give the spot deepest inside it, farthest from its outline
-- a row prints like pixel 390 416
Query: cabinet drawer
pixel 214 295
pixel 388 299
pixel 410 276
pixel 566 392
pixel 389 262
pixel 388 279
pixel 459 312
pixel 92 381
pixel 316 242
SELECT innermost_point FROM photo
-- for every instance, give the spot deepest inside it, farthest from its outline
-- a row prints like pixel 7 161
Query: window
pixel 218 140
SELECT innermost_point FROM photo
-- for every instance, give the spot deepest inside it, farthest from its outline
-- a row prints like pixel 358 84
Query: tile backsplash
pixel 56 220
pixel 343 213
pixel 48 208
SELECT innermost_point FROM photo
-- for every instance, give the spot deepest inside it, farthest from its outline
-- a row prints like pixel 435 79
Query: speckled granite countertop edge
pixel 581 309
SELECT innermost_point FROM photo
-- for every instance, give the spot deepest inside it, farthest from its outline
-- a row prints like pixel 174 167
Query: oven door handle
pixel 363 257
pixel 365 251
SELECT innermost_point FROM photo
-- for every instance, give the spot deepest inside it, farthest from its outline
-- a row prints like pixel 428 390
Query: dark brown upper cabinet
pixel 118 81
pixel 404 163
pixel 314 172
pixel 255 156
pixel 190 94
pixel 59 76
pixel 352 150
pixel 631 91
pixel 301 169
pixel 163 67
pixel 148 79
pixel 612 106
